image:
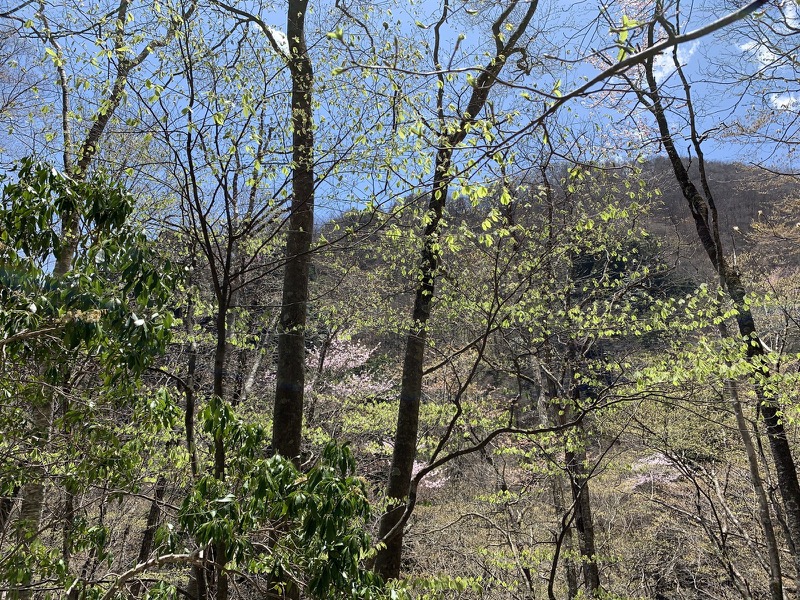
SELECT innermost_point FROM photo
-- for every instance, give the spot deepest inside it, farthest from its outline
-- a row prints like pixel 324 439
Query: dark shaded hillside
pixel 743 194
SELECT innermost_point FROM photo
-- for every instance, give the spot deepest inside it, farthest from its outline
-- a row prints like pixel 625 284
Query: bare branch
pixel 158 561
pixel 648 53
pixel 26 335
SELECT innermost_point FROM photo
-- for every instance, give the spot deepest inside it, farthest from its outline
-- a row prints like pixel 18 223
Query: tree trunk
pixel 198 586
pixel 290 376
pixel 67 529
pixel 387 562
pixel 575 449
pixel 32 493
pixel 6 506
pixel 570 568
pixel 218 549
pixel 153 517
pixel 220 360
pixel 773 551
pixel 584 525
pixel 575 465
pixel 547 418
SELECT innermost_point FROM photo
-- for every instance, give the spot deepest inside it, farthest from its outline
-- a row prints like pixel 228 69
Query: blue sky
pixel 560 29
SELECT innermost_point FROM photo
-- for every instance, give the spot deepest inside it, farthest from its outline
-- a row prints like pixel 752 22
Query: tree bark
pixel 584 525
pixel 6 506
pixel 153 517
pixel 290 376
pixel 32 493
pixel 575 465
pixel 570 568
pixel 575 450
pixel 220 359
pixel 770 541
pixel 191 370
pixel 547 404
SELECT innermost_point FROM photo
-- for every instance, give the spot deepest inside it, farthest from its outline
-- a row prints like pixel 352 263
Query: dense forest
pixel 438 299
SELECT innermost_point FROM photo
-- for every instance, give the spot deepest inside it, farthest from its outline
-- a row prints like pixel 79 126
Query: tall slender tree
pixel 451 135
pixel 290 375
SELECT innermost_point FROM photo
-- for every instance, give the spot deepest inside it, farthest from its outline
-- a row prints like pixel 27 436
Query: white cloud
pixel 280 38
pixel 791 13
pixel 664 66
pixel 788 101
pixel 760 52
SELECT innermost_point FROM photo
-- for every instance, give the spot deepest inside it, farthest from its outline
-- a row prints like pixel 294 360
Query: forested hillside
pixel 400 300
